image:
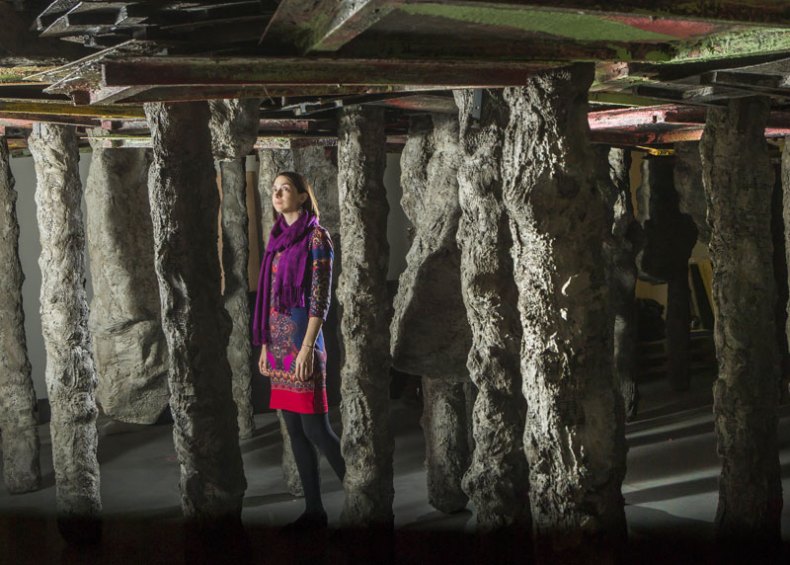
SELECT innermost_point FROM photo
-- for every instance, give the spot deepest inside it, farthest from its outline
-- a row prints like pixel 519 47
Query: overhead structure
pixel 306 58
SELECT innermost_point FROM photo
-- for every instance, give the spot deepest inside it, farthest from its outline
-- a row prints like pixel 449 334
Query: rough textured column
pixel 125 316
pixel 184 206
pixel 688 184
pixel 786 214
pixel 234 128
pixel 316 164
pixel 738 181
pixel 18 417
pixel 447 452
pixel 574 436
pixel 430 333
pixel 366 442
pixel 670 236
pixel 496 481
pixel 620 246
pixel 70 375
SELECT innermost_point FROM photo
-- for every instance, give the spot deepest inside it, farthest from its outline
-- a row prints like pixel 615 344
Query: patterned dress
pixel 287 331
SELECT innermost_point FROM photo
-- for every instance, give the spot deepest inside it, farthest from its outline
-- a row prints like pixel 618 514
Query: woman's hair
pixel 302 186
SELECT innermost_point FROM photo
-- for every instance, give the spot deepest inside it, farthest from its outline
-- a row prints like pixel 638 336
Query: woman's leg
pixel 319 431
pixel 306 463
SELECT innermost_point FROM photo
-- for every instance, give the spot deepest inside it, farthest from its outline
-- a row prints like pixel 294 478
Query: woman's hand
pixel 304 364
pixel 262 360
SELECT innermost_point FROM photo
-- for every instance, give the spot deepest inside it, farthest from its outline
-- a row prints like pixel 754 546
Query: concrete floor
pixel 670 488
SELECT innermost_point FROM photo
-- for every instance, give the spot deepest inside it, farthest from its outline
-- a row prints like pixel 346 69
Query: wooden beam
pixel 64 119
pixel 620 138
pixel 756 83
pixel 646 117
pixel 349 19
pixel 56 108
pixel 186 71
pixel 192 93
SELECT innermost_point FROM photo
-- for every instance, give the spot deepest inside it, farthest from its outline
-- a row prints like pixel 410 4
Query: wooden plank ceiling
pixel 659 63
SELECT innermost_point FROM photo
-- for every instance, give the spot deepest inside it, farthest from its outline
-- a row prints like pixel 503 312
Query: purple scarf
pixel 289 283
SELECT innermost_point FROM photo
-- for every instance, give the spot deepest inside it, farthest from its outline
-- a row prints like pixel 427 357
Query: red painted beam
pixel 642 118
pixel 646 116
pixel 633 138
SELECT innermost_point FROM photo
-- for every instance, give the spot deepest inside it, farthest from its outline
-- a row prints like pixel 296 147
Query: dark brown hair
pixel 302 186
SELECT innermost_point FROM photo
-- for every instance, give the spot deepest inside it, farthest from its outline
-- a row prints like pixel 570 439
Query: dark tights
pixel 307 430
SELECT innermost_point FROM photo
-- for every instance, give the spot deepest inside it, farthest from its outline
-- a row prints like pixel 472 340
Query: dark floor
pixel 670 490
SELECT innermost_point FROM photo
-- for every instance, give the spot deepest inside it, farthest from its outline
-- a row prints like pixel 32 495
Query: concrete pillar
pixel 234 129
pixel 18 416
pixel 497 479
pixel 620 246
pixel 125 318
pixel 184 207
pixel 367 442
pixel 738 180
pixel 430 333
pixel 70 375
pixel 574 436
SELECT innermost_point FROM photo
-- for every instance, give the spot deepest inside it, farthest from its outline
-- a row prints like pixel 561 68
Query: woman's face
pixel 285 197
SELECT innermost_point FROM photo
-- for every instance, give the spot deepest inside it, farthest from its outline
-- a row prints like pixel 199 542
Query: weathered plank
pixel 56 108
pixel 174 71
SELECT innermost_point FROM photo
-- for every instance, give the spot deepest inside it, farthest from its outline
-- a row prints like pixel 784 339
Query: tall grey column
pixel 430 332
pixel 497 479
pixel 574 436
pixel 185 206
pixel 125 318
pixel 18 417
pixel 738 180
pixel 367 442
pixel 234 129
pixel 620 247
pixel 70 375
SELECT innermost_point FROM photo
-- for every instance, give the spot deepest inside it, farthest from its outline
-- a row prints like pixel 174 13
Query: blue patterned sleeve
pixel 321 255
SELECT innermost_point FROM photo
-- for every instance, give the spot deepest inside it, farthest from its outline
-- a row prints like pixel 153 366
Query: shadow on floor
pixel 37 541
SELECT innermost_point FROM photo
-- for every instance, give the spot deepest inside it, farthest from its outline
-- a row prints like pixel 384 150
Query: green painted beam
pixel 770 12
pixel 734 44
pixel 565 24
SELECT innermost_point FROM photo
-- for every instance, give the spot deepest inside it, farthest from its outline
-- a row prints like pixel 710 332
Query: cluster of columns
pixel 540 221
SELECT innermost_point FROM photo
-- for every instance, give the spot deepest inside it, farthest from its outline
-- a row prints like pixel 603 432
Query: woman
pixel 292 304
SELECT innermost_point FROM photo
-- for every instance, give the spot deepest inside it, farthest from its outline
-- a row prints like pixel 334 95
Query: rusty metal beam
pixel 186 71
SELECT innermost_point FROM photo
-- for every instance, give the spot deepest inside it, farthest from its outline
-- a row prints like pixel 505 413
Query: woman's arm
pixel 321 255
